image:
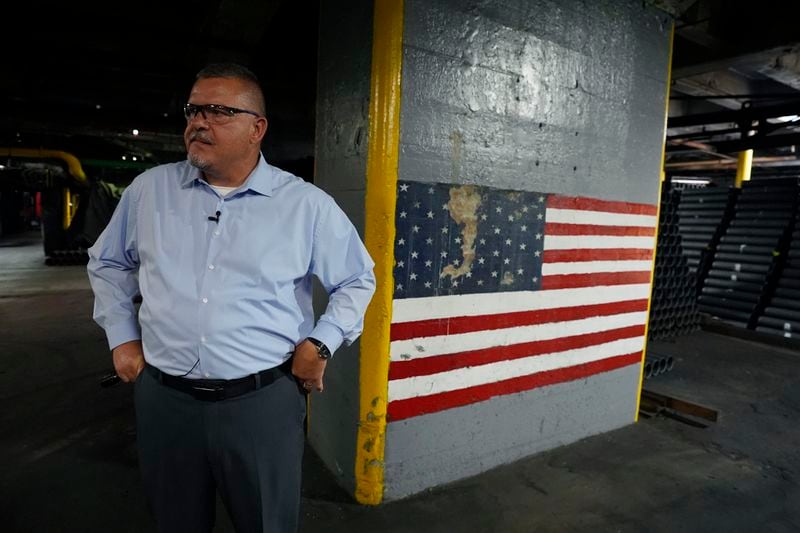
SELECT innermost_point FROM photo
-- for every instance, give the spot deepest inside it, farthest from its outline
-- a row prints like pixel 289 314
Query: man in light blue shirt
pixel 222 248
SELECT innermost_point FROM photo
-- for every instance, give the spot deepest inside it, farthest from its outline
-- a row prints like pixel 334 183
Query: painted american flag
pixel 499 292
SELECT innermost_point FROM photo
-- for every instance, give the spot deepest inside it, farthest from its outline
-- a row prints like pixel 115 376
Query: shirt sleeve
pixel 341 263
pixel 113 273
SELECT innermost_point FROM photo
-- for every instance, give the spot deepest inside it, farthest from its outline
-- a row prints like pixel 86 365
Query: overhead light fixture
pixel 134 158
pixel 98 106
pixel 135 132
pixel 124 158
pixel 691 181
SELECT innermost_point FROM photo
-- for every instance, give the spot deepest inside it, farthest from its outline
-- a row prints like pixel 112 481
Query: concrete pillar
pixel 504 162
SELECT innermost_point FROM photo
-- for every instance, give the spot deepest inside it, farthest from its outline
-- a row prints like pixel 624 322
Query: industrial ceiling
pixel 106 81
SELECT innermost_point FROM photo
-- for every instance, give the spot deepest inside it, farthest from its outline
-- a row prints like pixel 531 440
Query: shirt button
pixel 205 300
pixel 211 267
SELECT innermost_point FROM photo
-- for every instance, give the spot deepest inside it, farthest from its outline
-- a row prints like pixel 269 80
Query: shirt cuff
pixel 122 333
pixel 328 334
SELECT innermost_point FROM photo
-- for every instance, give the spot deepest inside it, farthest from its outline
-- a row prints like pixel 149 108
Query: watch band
pixel 322 350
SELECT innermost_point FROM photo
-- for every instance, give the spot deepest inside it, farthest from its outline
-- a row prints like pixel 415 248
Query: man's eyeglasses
pixel 214 113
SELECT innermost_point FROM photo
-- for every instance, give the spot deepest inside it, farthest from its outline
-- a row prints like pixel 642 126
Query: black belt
pixel 214 390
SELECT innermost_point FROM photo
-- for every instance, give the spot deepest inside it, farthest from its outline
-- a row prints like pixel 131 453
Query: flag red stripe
pixel 433 365
pixel 558 228
pixel 402 409
pixel 466 324
pixel 598 254
pixel 572 281
pixel 593 204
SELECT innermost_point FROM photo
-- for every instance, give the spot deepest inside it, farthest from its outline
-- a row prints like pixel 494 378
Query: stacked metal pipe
pixel 655 365
pixel 781 315
pixel 704 214
pixel 67 257
pixel 673 310
pixel 744 261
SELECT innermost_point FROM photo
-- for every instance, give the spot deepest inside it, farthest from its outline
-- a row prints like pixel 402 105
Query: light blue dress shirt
pixel 226 299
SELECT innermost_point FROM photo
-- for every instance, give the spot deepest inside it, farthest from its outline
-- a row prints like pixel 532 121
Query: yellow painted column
pixel 744 164
pixel 662 178
pixel 379 233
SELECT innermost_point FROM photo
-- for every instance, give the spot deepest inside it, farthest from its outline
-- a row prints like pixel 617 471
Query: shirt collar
pixel 261 180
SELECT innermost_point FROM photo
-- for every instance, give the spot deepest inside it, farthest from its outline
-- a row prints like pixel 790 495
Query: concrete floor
pixel 68 460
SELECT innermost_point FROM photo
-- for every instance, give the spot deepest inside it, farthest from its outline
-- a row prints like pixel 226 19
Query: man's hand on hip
pixel 308 366
pixel 128 360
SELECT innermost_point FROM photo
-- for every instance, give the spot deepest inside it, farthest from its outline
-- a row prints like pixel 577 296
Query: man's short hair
pixel 238 72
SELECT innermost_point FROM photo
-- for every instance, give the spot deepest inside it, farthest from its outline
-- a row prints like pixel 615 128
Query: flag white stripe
pixel 587 267
pixel 598 218
pixel 462 378
pixel 574 242
pixel 490 303
pixel 420 348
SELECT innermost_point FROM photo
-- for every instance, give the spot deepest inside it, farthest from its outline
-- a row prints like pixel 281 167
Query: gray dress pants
pixel 250 448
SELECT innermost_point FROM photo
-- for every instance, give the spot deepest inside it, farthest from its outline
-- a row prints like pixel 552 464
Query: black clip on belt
pixel 214 390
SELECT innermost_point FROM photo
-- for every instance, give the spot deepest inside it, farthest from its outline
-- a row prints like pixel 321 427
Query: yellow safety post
pixel 744 164
pixel 381 197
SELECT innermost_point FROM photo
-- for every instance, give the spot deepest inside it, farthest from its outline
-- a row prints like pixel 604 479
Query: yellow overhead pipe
pixel 744 164
pixel 73 164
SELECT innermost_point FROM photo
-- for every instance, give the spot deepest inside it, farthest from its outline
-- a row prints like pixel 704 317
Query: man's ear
pixel 258 130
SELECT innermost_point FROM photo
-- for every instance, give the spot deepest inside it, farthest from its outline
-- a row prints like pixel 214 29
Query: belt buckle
pixel 213 394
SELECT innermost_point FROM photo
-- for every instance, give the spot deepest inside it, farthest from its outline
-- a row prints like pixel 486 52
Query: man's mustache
pixel 199 136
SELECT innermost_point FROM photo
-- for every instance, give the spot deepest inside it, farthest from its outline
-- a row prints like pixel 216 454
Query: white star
pixel 508 241
pixel 468 274
pixel 481 260
pixel 539 216
pixel 482 241
pixel 538 236
pixel 522 246
pixel 414 276
pixel 511 218
pixel 498 209
pixel 430 214
pixel 456 262
pixel 455 283
pixel 497 231
pixel 535 279
pixel 415 229
pixel 399 286
pixel 403 187
pixel 519 271
pixel 480 282
pixel 494 273
pixel 458 240
pixel 506 261
pixel 525 209
pixel 444 229
pixel 430 190
pixel 427 284
pixel 414 255
pixel 403 214
pixel 443 254
pixel 401 242
pixel 495 253
pixel 428 241
pixel 541 199
pixel 401 264
pixel 445 208
pixel 428 263
pixel 524 228
pixel 537 253
pixel 484 217
pixel 416 205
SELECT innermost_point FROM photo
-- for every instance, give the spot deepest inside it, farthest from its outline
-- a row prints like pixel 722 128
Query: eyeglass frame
pixel 190 111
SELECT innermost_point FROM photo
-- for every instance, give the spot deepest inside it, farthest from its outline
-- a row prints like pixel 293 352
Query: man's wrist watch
pixel 322 350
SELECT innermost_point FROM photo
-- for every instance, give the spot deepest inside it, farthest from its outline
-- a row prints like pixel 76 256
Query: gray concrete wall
pixel 345 54
pixel 554 96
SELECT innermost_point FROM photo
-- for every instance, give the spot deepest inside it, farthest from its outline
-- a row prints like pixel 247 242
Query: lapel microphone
pixel 215 218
